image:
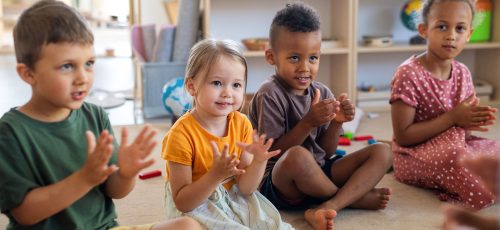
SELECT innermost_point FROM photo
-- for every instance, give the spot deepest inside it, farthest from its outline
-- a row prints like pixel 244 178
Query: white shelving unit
pixel 248 19
pixel 347 67
pixel 482 58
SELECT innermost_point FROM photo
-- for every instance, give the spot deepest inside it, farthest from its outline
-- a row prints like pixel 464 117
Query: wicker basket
pixel 256 43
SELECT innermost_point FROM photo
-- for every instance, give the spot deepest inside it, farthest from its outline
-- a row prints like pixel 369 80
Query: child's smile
pixel 221 91
pixel 297 58
pixel 304 80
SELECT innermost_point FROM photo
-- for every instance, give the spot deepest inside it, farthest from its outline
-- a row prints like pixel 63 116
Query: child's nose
pixel 82 76
pixel 304 66
pixel 226 92
pixel 450 36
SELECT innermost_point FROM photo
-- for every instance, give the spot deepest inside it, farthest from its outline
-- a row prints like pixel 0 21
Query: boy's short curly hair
pixel 295 17
pixel 47 22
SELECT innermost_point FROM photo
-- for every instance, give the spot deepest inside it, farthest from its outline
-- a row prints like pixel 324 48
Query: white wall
pixel 153 12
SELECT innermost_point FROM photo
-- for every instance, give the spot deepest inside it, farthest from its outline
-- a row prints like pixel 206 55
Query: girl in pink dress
pixel 434 108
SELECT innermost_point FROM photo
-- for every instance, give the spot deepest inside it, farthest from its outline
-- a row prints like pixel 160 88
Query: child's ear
pixel 422 30
pixel 190 86
pixel 269 54
pixel 25 73
pixel 470 34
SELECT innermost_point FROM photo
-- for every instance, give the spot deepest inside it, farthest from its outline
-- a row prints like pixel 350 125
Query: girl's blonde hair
pixel 207 52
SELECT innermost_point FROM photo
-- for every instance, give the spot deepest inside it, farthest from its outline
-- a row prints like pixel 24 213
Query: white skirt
pixel 230 210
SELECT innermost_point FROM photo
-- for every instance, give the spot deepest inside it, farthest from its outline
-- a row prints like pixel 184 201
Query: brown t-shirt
pixel 275 110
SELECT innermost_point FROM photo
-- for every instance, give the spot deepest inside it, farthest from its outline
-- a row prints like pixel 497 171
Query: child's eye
pixel 237 85
pixel 216 83
pixel 66 67
pixel 461 29
pixel 442 27
pixel 294 58
pixel 89 64
pixel 313 59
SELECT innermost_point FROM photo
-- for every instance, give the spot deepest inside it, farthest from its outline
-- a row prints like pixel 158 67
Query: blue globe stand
pixel 417 40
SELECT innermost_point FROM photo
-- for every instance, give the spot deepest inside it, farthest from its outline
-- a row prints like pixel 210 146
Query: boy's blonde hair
pixel 47 22
pixel 206 53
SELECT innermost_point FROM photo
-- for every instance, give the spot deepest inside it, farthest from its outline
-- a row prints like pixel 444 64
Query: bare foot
pixel 320 219
pixel 375 199
pixel 458 218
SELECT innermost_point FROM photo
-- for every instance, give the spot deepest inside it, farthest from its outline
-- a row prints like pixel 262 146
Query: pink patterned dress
pixel 433 164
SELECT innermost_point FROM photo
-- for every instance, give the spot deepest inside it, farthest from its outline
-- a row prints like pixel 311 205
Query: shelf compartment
pixel 399 47
pixel 260 53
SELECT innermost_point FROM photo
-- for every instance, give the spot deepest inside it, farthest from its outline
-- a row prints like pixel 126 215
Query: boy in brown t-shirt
pixel 305 120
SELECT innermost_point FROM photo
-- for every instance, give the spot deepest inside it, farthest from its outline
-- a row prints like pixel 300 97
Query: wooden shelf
pixel 483 45
pixel 390 49
pixel 7 50
pixel 407 48
pixel 260 53
pixel 344 68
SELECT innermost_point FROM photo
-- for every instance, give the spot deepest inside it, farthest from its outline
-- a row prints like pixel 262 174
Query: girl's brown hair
pixel 429 3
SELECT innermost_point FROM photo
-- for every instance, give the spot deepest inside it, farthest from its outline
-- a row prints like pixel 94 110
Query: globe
pixel 410 14
pixel 175 99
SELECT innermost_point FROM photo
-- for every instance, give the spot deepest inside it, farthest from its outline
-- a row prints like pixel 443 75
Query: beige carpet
pixel 410 207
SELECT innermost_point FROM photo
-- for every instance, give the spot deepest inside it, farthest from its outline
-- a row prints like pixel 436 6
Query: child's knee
pixel 187 223
pixel 383 152
pixel 297 157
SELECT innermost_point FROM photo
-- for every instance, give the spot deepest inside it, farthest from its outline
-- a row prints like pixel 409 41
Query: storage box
pixel 372 101
pixel 153 77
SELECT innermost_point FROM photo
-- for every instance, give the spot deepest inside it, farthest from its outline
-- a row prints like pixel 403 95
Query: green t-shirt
pixel 36 154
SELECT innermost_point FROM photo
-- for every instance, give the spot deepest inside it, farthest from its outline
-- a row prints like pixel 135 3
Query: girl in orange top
pixel 214 161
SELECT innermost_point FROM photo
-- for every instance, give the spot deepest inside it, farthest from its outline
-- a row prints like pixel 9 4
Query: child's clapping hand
pixel 346 111
pixel 470 115
pixel 96 169
pixel 322 111
pixel 259 147
pixel 224 165
pixel 132 157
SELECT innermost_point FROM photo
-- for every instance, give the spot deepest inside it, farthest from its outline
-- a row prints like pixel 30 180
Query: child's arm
pixel 330 139
pixel 320 113
pixel 44 202
pixel 188 195
pixel 465 115
pixel 131 160
pixel 249 182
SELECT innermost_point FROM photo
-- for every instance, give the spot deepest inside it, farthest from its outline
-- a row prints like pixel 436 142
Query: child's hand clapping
pixel 259 147
pixel 96 170
pixel 132 157
pixel 321 112
pixel 346 111
pixel 224 165
pixel 470 115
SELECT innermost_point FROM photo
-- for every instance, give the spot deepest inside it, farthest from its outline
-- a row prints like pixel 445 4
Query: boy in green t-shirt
pixel 50 177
